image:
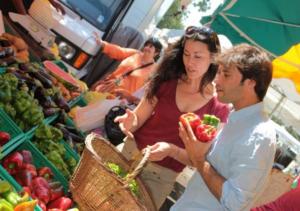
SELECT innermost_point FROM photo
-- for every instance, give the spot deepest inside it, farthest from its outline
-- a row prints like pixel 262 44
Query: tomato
pixel 191 118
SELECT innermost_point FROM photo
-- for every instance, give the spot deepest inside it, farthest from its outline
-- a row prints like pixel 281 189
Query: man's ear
pixel 250 82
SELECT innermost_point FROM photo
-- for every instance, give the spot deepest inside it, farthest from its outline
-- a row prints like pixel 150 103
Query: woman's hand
pixel 127 122
pixel 196 149
pixel 160 150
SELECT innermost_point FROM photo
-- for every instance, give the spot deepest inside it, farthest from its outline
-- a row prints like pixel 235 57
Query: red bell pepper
pixel 29 167
pixel 24 177
pixel 57 192
pixel 26 189
pixel 46 173
pixel 190 118
pixel 27 156
pixel 13 162
pixel 4 138
pixel 41 189
pixel 62 203
pixel 42 205
pixel 205 133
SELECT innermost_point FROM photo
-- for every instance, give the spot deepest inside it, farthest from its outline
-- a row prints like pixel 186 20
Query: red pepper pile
pixel 38 183
pixel 4 138
pixel 205 129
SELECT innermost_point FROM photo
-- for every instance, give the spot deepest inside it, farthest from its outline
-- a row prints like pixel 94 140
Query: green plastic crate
pixel 9 126
pixel 6 176
pixel 39 160
pixel 78 101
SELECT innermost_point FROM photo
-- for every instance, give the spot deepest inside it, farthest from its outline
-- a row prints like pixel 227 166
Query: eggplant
pixel 50 111
pixel 61 102
pixel 67 133
pixel 46 82
pixel 69 128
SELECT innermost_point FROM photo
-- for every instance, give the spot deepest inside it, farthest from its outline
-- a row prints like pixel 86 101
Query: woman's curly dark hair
pixel 172 67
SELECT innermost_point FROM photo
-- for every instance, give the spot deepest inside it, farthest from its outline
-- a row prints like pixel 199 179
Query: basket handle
pixel 136 170
pixel 88 144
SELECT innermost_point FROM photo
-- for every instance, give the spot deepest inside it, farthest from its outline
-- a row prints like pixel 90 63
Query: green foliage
pixel 202 5
pixel 173 17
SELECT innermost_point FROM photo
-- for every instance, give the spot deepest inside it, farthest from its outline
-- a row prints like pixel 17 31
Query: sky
pixel 195 16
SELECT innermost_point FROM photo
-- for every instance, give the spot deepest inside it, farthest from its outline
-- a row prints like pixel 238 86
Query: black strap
pixel 137 68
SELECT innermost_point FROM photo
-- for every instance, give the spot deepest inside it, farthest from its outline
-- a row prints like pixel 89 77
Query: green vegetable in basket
pixel 134 188
pixel 116 169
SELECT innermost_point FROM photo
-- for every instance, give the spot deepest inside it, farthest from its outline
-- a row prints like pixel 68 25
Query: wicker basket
pixel 95 187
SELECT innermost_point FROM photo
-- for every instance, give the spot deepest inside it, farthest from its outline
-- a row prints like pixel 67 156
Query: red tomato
pixel 191 118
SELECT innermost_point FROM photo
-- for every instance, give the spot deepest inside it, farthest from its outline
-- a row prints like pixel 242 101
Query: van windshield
pixel 97 12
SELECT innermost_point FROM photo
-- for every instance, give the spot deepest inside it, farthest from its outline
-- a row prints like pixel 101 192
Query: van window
pixel 97 12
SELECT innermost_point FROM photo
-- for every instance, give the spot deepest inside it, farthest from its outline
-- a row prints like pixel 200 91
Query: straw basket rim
pixel 119 181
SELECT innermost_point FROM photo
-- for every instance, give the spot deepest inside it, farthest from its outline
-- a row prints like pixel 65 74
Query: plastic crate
pixel 39 160
pixel 9 126
pixel 78 101
pixel 6 176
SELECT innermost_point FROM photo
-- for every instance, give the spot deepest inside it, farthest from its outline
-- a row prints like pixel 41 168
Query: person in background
pixel 182 83
pixel 289 201
pixel 21 6
pixel 126 37
pixel 134 70
pixel 235 168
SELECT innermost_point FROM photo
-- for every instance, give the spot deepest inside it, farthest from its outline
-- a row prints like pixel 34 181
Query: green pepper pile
pixel 19 104
pixel 115 168
pixel 48 140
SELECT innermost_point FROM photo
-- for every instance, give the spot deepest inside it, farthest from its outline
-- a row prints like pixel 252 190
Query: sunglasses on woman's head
pixel 202 33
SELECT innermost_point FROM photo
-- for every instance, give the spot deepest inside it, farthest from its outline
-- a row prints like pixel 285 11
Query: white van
pixel 73 32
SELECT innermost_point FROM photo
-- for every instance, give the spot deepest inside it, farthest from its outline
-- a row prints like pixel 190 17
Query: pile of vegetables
pixel 12 49
pixel 10 200
pixel 36 183
pixel 4 138
pixel 19 104
pixel 48 140
pixel 115 168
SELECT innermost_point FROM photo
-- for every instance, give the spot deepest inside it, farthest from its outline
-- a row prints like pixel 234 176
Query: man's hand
pixel 196 150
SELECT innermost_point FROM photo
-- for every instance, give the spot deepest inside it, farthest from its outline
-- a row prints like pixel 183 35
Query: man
pixel 232 172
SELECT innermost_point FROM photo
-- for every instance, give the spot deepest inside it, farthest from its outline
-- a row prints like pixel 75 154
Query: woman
pixel 183 83
pixel 134 70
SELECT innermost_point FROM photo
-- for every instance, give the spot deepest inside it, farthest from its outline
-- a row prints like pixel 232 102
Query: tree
pixel 174 16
